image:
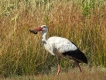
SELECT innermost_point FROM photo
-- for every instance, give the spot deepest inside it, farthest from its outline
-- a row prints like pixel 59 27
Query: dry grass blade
pixel 22 53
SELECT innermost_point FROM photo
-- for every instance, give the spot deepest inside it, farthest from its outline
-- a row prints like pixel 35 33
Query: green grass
pixel 96 73
pixel 22 53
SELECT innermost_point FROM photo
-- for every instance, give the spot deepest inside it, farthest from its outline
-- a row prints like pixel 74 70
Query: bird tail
pixel 81 57
pixel 77 55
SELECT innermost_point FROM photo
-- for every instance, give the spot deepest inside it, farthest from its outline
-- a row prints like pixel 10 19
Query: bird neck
pixel 44 36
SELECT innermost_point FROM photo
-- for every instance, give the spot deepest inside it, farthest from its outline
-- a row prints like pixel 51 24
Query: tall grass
pixel 22 53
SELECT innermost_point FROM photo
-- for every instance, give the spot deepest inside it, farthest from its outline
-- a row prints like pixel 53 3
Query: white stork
pixel 61 47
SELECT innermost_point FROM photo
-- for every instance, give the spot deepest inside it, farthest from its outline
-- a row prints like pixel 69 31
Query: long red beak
pixel 35 31
pixel 39 29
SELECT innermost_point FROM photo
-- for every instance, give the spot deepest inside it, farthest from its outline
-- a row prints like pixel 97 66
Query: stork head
pixel 42 28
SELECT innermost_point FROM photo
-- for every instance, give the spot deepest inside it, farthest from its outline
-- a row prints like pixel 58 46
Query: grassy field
pixel 81 21
pixel 96 73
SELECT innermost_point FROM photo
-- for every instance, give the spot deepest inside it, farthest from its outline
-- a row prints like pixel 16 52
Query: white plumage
pixel 61 47
pixel 59 44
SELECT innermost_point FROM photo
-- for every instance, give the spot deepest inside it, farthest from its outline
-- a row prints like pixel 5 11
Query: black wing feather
pixel 77 54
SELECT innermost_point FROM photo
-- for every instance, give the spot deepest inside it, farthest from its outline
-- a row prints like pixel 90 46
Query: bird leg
pixel 77 63
pixel 58 58
pixel 58 69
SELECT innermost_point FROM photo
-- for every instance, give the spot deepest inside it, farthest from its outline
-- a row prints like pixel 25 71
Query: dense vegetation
pixel 81 21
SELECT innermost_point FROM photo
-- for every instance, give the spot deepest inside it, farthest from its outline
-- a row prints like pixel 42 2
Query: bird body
pixel 60 44
pixel 64 48
pixel 61 47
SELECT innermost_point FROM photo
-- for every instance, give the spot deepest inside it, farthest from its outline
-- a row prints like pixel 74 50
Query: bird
pixel 60 47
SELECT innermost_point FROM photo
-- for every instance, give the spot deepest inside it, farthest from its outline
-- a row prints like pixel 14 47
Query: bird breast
pixel 49 48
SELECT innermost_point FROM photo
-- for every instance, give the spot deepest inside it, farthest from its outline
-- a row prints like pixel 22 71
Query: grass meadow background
pixel 81 21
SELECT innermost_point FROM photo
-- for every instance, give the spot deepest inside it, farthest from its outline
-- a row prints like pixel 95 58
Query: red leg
pixel 77 64
pixel 58 58
pixel 58 69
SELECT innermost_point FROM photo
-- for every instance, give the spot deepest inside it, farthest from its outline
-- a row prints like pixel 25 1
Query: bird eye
pixel 44 26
